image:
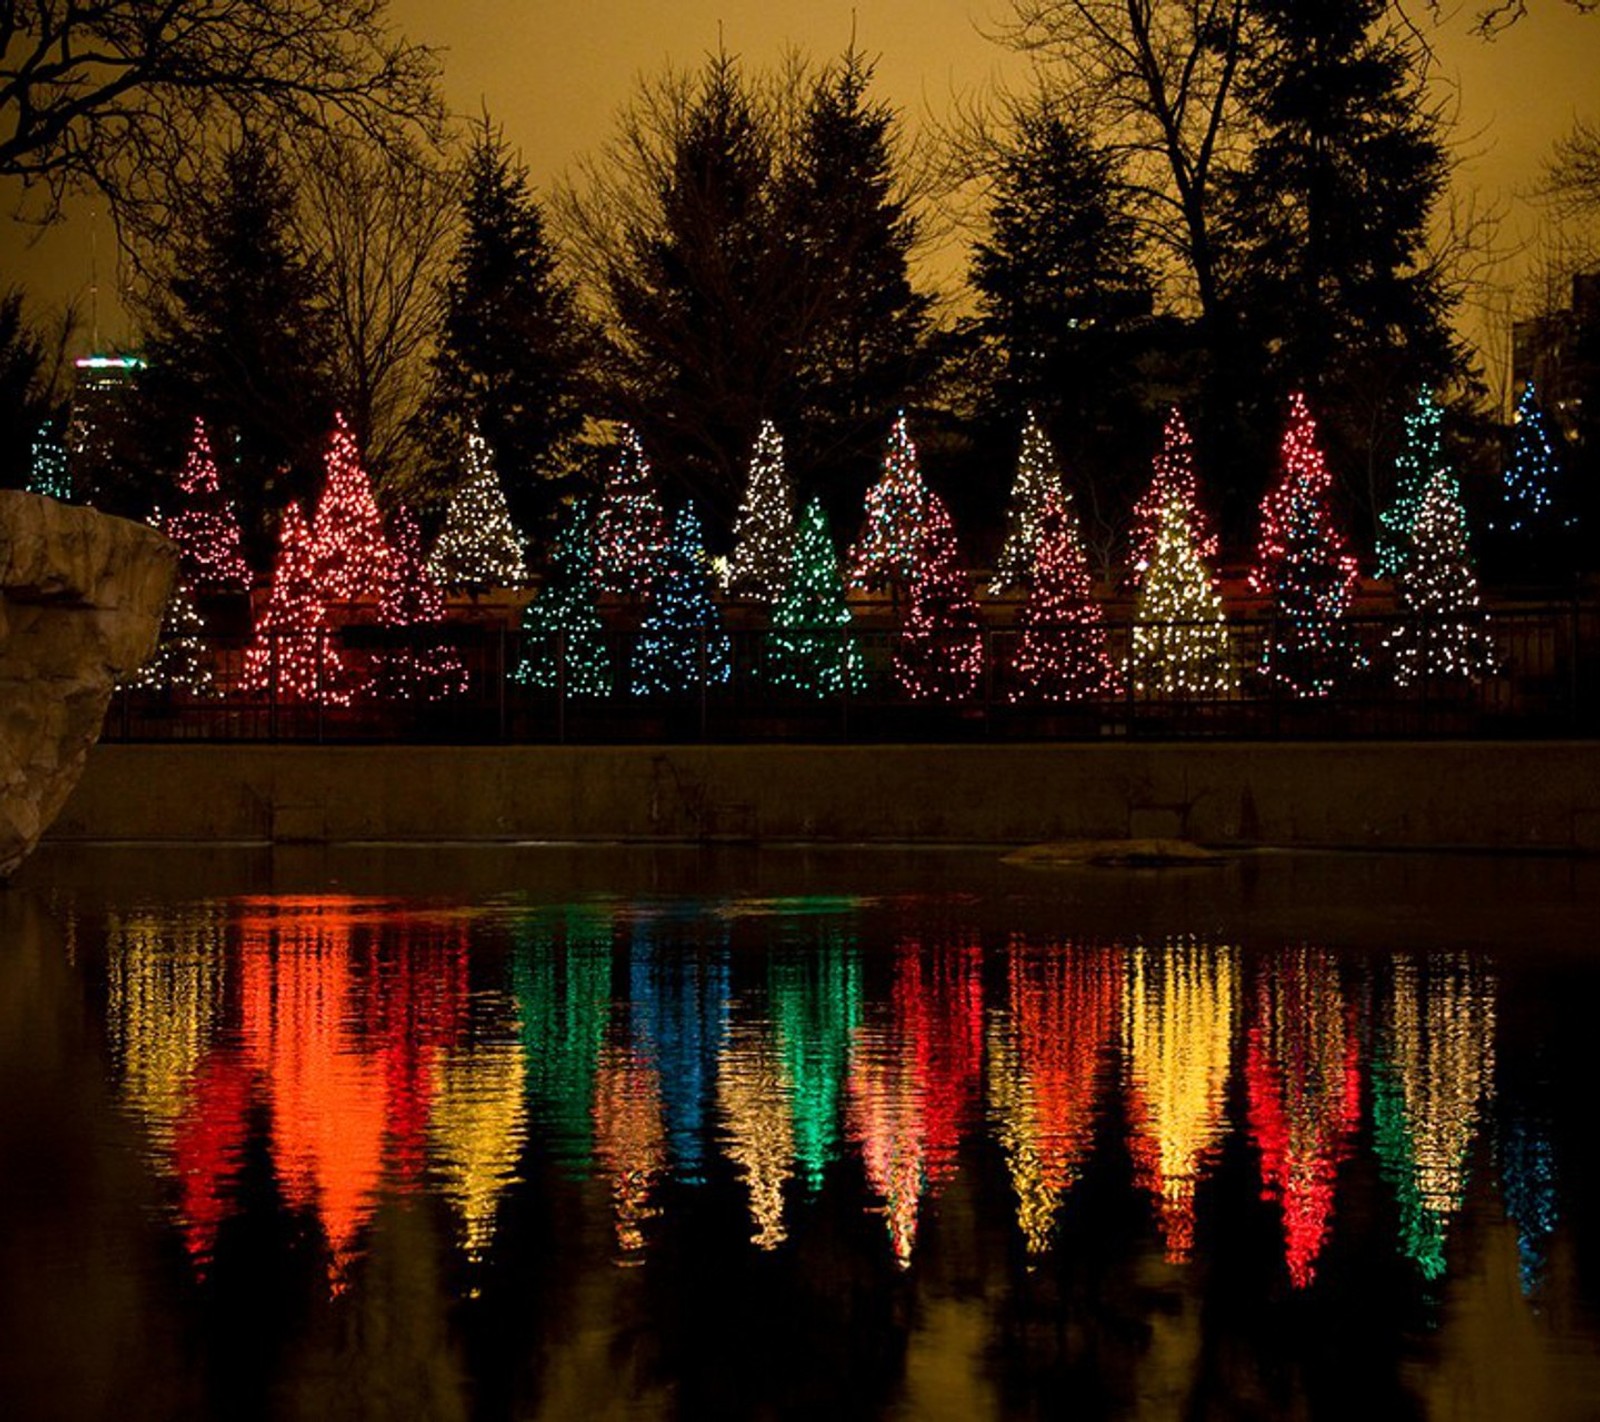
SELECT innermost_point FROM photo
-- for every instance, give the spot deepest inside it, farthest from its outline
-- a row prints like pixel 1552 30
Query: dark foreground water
pixel 599 1133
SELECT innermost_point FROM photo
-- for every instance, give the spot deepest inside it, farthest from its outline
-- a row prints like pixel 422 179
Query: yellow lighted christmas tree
pixel 1180 642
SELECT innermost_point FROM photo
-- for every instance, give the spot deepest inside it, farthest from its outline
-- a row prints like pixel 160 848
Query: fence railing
pixel 372 684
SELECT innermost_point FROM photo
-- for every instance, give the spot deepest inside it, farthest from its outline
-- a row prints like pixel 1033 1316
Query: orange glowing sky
pixel 555 71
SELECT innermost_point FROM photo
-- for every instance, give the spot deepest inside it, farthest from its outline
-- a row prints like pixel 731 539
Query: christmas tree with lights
pixel 1062 652
pixel 1444 629
pixel 48 474
pixel 810 647
pixel 411 598
pixel 563 642
pixel 1303 562
pixel 479 546
pixel 179 662
pixel 763 531
pixel 1180 642
pixel 630 532
pixel 681 644
pixel 897 508
pixel 1172 478
pixel 1038 481
pixel 293 652
pixel 1421 457
pixel 939 649
pixel 206 530
pixel 349 554
pixel 1529 487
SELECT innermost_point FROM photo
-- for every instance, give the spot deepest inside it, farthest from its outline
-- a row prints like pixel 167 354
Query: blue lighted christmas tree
pixel 1420 459
pixel 681 642
pixel 1531 472
pixel 810 647
pixel 562 638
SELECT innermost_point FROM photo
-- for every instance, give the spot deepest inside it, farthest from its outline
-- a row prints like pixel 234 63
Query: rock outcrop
pixel 81 599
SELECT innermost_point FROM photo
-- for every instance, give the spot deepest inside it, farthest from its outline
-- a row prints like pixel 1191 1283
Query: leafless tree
pixel 124 95
pixel 1572 176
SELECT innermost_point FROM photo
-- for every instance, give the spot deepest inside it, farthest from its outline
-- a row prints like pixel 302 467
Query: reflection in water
pixel 1432 1080
pixel 1303 1078
pixel 815 995
pixel 479 1122
pixel 1181 1005
pixel 630 1140
pixel 1047 1051
pixel 753 1101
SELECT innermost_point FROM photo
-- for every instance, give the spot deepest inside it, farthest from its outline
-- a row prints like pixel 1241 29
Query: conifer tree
pixel 514 348
pixel 411 598
pixel 479 546
pixel 1421 457
pixel 897 510
pixel 1444 629
pixel 292 654
pixel 1180 646
pixel 1037 484
pixel 350 554
pixel 1172 477
pixel 1529 484
pixel 211 556
pixel 179 662
pixel 681 644
pixel 563 640
pixel 1302 561
pixel 763 532
pixel 810 647
pixel 630 529
pixel 1061 655
pixel 939 649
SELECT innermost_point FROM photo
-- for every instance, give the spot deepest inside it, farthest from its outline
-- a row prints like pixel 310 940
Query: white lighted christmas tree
pixel 891 535
pixel 1180 646
pixel 180 662
pixel 1037 482
pixel 810 647
pixel 681 645
pixel 205 528
pixel 429 670
pixel 479 546
pixel 292 655
pixel 1172 479
pixel 763 531
pixel 630 531
pixel 350 555
pixel 1443 630
pixel 1421 457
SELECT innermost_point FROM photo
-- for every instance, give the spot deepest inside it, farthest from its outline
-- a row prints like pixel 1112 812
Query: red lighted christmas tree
pixel 411 598
pixel 1062 655
pixel 630 532
pixel 939 651
pixel 1172 477
pixel 293 653
pixel 206 530
pixel 897 515
pixel 350 554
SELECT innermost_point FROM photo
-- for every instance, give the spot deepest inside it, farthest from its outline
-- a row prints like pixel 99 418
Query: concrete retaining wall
pixel 1542 796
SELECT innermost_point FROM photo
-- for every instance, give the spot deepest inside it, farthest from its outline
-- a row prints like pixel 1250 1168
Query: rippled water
pixel 745 1141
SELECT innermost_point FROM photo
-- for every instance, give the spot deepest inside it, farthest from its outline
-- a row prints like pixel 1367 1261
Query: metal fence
pixel 1545 681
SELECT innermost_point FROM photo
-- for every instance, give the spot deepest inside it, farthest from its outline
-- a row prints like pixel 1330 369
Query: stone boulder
pixel 81 600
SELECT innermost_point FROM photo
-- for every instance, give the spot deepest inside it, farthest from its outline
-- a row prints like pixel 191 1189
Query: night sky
pixel 554 73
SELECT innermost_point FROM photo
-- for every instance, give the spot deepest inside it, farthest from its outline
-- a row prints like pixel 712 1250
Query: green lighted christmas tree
pixel 479 546
pixel 1303 562
pixel 630 531
pixel 681 644
pixel 563 640
pixel 179 662
pixel 1172 478
pixel 1529 486
pixel 1038 481
pixel 1444 629
pixel 938 653
pixel 349 554
pixel 48 474
pixel 1061 655
pixel 897 505
pixel 810 647
pixel 1180 642
pixel 1421 457
pixel 763 531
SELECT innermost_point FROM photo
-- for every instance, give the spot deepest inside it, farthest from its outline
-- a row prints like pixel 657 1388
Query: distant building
pixel 1560 353
pixel 97 430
